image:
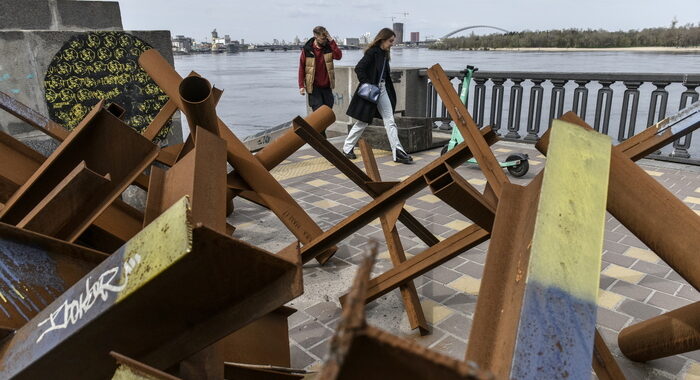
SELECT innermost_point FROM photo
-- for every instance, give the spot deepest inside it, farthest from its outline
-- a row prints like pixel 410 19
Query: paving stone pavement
pixel 634 284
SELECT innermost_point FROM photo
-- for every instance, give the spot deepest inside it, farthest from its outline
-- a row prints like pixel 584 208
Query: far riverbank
pixel 651 49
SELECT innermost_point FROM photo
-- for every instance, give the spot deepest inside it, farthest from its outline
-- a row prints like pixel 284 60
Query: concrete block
pixel 25 14
pixel 102 15
pixel 415 134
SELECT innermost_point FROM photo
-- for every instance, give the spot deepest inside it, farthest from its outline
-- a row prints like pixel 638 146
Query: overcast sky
pixel 261 21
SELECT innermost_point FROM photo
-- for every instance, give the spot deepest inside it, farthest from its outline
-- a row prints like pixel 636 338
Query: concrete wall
pixel 22 73
pixel 411 91
pixel 59 15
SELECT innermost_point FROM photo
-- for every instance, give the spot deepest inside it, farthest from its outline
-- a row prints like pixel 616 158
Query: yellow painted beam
pixel 557 320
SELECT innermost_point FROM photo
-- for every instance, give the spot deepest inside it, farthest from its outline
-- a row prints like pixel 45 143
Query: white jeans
pixel 384 107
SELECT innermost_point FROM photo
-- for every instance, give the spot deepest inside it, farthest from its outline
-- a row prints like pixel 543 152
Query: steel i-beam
pixel 244 162
pixel 409 295
pixel 359 351
pixel 536 316
pixel 107 146
pixel 171 291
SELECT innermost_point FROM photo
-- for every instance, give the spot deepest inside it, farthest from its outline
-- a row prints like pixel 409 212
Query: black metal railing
pixel 617 104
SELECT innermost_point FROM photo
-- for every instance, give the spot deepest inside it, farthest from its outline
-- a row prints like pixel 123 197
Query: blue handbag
pixel 369 91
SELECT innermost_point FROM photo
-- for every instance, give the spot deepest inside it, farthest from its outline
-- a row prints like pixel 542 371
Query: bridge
pixel 474 27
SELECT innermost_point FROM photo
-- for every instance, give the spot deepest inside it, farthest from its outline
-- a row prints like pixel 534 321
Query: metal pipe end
pixel 195 89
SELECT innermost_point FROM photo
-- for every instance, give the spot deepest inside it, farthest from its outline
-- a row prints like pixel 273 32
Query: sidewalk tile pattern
pixel 635 283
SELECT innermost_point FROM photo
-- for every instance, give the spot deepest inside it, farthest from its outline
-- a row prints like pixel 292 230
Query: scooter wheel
pixel 520 169
pixel 444 149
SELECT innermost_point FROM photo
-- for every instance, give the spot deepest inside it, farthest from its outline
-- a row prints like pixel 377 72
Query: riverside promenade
pixel 635 284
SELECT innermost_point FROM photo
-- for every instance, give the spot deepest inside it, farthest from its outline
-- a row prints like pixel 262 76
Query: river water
pixel 261 91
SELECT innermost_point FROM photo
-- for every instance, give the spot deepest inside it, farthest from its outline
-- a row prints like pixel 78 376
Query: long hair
pixel 382 36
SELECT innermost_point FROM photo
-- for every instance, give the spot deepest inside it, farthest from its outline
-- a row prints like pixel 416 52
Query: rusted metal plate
pixel 36 269
pixel 168 293
pixel 107 146
pixel 379 355
pixel 257 177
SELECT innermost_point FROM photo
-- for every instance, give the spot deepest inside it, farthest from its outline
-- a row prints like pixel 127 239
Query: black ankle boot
pixel 351 155
pixel 403 157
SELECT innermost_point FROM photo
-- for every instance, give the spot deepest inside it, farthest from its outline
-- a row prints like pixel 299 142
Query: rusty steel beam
pixel 454 190
pixel 542 269
pixel 362 180
pixel 352 318
pixel 409 295
pixel 18 163
pixel 68 204
pixel 281 148
pixel 430 258
pixel 266 341
pixel 106 145
pixel 111 229
pixel 496 318
pixel 201 175
pixel 118 223
pixel 468 128
pixel 130 369
pixel 384 202
pixel 669 334
pixel 169 292
pixel 358 351
pixel 604 364
pixel 252 372
pixel 165 114
pixel 253 172
pixel 160 121
pixel 36 270
pixel 660 134
pixel 633 195
pixel 33 118
pixel 198 102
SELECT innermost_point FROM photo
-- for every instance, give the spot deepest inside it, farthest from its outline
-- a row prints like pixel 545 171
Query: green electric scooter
pixel 516 164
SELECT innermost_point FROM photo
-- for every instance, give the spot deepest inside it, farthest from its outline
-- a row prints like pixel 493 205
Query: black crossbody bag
pixel 369 91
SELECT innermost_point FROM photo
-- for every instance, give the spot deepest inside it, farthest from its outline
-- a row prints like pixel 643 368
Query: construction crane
pixel 404 14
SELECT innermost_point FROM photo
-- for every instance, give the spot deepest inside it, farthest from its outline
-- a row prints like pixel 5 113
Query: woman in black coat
pixel 374 68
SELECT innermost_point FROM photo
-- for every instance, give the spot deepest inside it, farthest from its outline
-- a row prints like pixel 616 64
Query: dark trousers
pixel 319 97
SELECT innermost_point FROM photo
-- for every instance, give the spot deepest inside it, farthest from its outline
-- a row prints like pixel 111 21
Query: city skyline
pixel 258 24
